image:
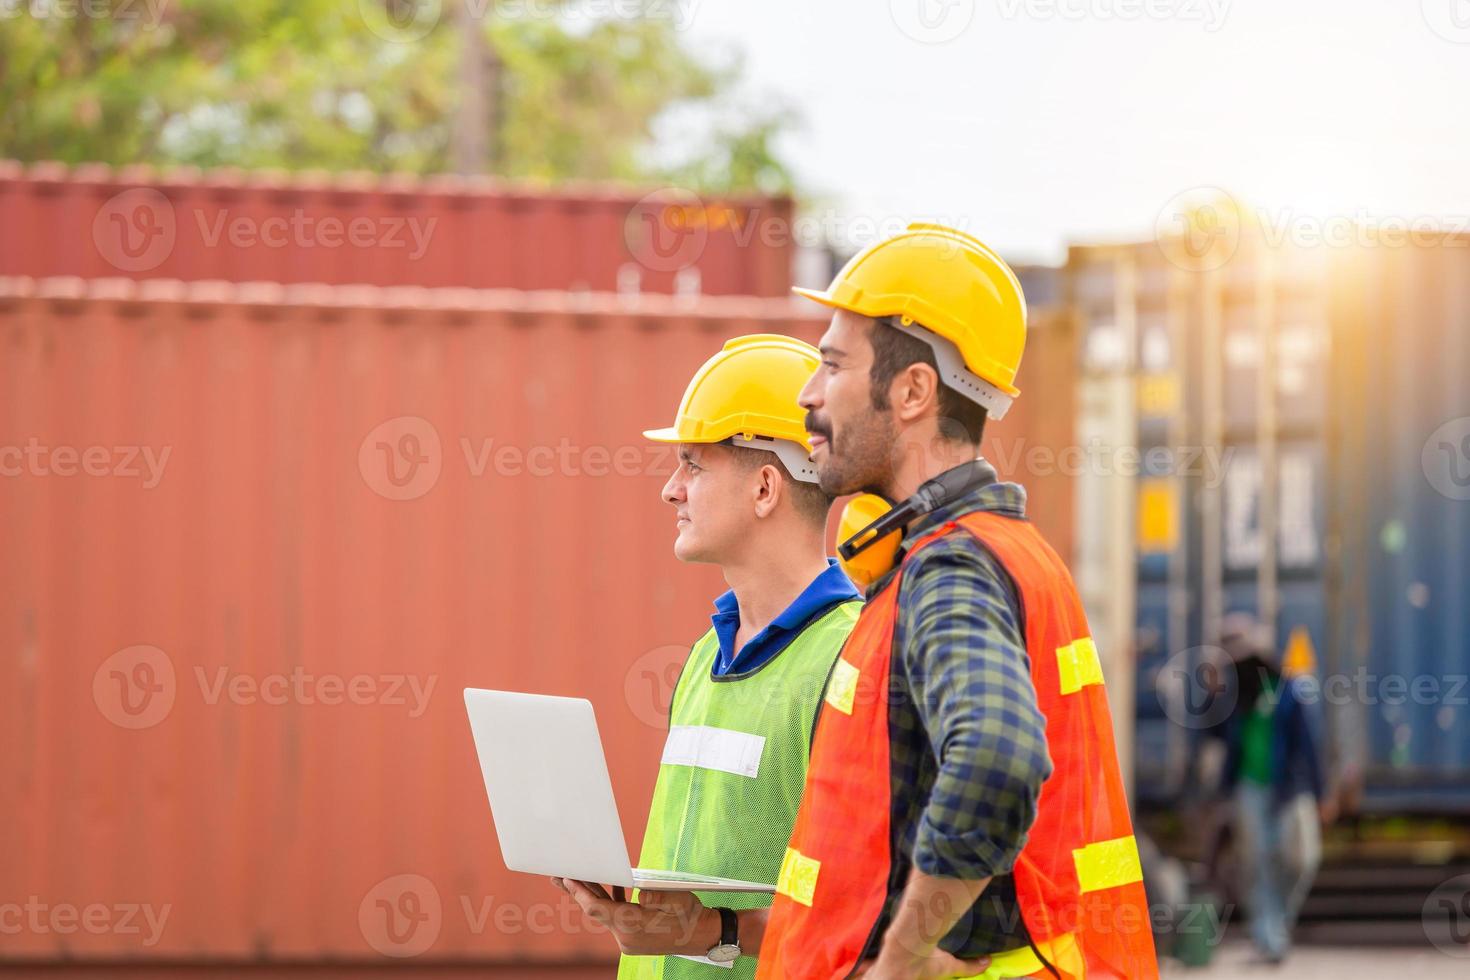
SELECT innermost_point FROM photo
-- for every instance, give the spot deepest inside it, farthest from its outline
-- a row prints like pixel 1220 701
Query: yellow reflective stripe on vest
pixel 843 686
pixel 1061 952
pixel 1078 665
pixel 798 878
pixel 1108 864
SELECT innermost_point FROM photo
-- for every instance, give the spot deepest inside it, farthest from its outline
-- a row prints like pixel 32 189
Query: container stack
pixel 1296 421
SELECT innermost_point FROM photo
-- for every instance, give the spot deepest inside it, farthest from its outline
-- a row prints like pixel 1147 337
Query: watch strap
pixel 729 927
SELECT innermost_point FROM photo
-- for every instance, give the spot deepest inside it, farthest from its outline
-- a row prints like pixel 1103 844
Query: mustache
pixel 816 426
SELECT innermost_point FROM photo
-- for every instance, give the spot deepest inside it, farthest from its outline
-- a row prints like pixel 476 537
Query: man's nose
pixel 810 396
pixel 673 490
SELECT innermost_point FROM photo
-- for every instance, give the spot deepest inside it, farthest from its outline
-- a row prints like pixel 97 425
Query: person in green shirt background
pixel 1274 769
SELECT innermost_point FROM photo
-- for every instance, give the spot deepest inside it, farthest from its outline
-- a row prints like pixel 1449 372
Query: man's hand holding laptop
pixel 659 923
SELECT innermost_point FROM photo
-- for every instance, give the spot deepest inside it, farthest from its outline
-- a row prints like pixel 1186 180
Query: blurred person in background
pixel 746 498
pixel 1273 771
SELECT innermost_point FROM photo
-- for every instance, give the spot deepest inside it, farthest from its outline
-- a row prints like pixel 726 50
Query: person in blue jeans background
pixel 1274 770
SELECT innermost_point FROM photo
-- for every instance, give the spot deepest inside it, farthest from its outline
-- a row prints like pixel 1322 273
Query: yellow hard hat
pixel 953 292
pixel 747 394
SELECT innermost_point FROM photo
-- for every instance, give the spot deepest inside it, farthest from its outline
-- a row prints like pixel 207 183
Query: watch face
pixel 724 953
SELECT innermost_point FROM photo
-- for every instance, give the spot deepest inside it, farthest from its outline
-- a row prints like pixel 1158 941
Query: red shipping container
pixel 398 230
pixel 258 539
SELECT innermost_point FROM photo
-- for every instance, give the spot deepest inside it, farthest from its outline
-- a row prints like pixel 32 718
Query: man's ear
pixel 914 391
pixel 768 489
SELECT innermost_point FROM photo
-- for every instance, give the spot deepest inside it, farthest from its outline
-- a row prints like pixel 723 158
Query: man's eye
pixel 830 365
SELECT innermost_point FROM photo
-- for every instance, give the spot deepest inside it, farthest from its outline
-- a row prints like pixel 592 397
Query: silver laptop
pixel 552 799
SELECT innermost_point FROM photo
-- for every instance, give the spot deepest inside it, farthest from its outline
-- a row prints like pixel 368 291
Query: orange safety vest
pixel 1078 880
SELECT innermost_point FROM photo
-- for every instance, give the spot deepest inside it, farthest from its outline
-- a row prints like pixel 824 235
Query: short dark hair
pixel 810 500
pixel 894 350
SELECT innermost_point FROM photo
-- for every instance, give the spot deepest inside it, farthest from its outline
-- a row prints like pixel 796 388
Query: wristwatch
pixel 727 950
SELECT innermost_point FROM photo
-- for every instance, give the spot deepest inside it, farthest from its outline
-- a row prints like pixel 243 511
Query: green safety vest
pixel 732 773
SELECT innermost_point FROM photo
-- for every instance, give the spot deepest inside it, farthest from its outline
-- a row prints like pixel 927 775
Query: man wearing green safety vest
pixel 730 781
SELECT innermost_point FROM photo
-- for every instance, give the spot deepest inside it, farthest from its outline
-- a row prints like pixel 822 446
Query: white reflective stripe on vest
pixel 707 961
pixel 704 747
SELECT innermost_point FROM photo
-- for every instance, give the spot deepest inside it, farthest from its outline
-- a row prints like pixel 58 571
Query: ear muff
pixel 871 529
pixel 871 557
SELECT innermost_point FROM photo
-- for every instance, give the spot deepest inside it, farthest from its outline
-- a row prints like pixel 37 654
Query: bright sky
pixel 1032 123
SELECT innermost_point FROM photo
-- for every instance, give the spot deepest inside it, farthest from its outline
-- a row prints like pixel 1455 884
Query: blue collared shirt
pixel 825 591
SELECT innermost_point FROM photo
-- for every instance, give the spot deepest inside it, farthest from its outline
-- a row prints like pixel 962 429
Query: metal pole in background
pixel 1181 348
pixel 1268 597
pixel 1212 411
pixel 1122 640
pixel 476 115
pixel 1101 291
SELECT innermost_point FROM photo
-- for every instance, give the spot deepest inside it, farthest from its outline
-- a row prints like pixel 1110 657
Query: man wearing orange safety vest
pixel 963 812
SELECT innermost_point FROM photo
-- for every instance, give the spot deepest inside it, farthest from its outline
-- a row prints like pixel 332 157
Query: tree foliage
pixel 369 85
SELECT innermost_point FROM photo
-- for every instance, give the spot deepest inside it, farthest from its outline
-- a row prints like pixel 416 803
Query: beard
pixel 860 459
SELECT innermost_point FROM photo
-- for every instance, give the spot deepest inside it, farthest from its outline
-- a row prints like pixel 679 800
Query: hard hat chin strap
pixel 952 370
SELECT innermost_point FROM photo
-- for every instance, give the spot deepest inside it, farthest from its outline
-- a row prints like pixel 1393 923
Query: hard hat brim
pixel 817 296
pixel 669 434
